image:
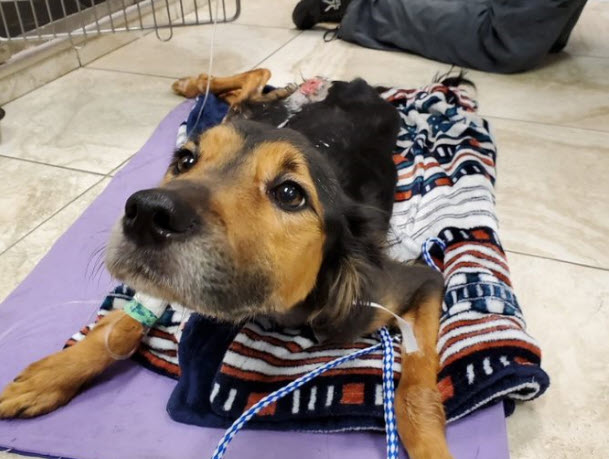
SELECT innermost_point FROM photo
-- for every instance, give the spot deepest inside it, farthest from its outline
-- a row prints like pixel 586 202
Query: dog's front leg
pixel 419 408
pixel 53 381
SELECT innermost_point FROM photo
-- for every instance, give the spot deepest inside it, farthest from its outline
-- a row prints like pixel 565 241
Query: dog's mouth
pixel 144 268
pixel 194 270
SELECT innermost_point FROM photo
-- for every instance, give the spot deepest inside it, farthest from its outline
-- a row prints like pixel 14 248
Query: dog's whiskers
pixel 96 263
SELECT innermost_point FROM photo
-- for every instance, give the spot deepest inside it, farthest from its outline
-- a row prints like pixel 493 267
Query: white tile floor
pixel 60 144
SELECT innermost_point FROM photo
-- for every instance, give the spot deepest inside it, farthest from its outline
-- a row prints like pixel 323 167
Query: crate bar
pixel 65 15
pixel 125 15
pixel 94 8
pixel 35 19
pixel 110 15
pixel 168 26
pixel 182 12
pixel 20 21
pixel 82 18
pixel 46 2
pixel 8 33
pixel 196 11
pixel 139 14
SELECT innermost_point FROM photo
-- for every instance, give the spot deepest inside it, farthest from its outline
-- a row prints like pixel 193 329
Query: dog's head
pixel 250 220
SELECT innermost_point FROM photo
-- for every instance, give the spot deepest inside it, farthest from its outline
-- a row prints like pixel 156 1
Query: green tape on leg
pixel 140 313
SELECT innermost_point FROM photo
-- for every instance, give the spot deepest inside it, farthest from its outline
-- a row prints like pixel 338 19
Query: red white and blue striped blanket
pixel 445 156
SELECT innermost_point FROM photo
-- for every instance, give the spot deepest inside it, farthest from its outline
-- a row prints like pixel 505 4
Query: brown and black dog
pixel 251 220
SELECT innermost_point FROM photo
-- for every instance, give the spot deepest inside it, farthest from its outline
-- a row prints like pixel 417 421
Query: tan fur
pixel 418 403
pixel 272 156
pixel 217 147
pixel 53 381
pixel 384 319
pixel 291 234
pixel 255 226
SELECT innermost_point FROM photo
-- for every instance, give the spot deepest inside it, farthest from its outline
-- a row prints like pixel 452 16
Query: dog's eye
pixel 289 196
pixel 185 159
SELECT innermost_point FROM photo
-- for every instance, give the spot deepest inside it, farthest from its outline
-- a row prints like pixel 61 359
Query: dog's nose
pixel 154 216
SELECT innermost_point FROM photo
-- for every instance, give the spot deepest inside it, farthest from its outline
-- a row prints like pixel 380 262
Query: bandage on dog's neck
pixel 146 309
pixel 409 340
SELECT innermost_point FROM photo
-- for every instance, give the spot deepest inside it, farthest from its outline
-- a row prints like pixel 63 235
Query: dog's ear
pixel 353 258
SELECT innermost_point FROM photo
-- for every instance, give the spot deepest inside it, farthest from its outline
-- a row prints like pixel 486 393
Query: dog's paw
pixel 41 388
pixel 189 87
pixel 185 87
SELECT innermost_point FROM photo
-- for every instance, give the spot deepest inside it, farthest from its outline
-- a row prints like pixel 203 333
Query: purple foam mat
pixel 123 415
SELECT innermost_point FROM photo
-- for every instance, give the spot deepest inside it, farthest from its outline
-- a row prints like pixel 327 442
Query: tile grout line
pixel 598 131
pixel 144 33
pixel 110 175
pixel 89 67
pixel 574 263
pixel 5 104
pixel 113 172
pixel 57 166
pixel 78 67
pixel 127 72
pixel 586 55
pixel 278 49
pixel 14 243
pixel 263 26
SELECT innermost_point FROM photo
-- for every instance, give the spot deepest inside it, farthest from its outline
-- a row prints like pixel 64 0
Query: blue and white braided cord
pixel 391 431
pixel 386 343
pixel 427 247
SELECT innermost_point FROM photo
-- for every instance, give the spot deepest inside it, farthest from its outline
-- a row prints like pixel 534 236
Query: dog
pixel 289 223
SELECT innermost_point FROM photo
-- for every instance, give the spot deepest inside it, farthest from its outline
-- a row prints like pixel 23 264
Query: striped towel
pixel 446 174
pixel 445 156
pixel 262 359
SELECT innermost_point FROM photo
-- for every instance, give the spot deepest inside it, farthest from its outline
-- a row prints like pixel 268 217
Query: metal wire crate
pixel 43 20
